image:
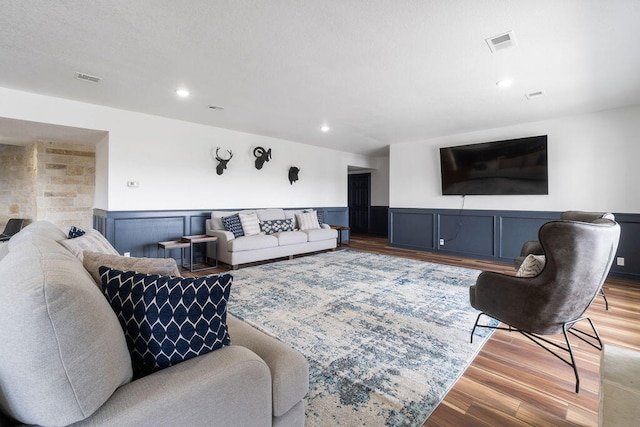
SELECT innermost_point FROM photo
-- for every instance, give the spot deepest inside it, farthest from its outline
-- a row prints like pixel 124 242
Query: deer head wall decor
pixel 293 174
pixel 261 156
pixel 222 163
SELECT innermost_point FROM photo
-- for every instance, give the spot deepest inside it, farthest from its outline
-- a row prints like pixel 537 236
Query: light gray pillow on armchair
pixel 162 266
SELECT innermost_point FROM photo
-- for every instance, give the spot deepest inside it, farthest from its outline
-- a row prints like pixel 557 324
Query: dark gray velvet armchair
pixel 534 247
pixel 578 258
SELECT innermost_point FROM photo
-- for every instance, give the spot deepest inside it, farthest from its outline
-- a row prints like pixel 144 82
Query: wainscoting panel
pixel 411 229
pixel 379 220
pixel 496 235
pixel 138 232
pixel 466 234
pixel 629 247
pixel 515 230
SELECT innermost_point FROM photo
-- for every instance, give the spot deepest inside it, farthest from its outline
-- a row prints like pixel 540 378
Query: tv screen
pixel 514 166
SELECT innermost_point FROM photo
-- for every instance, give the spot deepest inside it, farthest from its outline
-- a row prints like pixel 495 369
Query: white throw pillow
pixel 531 266
pixel 307 220
pixel 250 223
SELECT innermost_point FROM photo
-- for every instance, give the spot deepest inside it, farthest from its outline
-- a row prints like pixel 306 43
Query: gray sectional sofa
pixel 234 250
pixel 64 358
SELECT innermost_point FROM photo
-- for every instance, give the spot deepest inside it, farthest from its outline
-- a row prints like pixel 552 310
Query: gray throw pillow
pixel 91 240
pixel 92 261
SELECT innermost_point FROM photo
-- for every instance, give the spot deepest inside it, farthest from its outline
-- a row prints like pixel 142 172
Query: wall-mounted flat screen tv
pixel 514 166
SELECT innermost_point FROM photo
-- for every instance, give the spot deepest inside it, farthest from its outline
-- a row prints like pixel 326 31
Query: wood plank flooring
pixel 512 381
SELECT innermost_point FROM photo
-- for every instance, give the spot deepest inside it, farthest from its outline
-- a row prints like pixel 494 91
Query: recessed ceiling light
pixel 325 128
pixel 182 93
pixel 504 83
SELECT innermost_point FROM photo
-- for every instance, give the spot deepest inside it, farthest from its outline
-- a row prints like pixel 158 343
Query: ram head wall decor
pixel 293 174
pixel 261 156
pixel 222 163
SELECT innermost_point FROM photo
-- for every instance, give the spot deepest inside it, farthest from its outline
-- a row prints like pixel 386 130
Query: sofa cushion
pixel 167 320
pixel 232 223
pixel 63 353
pixel 41 230
pixel 291 237
pixel 276 225
pixel 307 220
pixel 249 243
pixel 250 223
pixel 270 214
pixel 91 240
pixel 92 261
pixel 321 234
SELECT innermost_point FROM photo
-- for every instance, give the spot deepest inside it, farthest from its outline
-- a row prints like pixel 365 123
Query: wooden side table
pixel 188 242
pixel 340 229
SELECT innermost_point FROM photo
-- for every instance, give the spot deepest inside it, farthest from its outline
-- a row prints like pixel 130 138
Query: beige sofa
pixel 64 357
pixel 240 250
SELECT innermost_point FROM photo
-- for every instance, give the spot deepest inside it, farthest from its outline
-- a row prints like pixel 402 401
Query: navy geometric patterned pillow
pixel 167 319
pixel 232 224
pixel 75 232
pixel 276 225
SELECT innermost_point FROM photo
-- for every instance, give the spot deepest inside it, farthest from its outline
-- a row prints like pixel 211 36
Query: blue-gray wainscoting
pixel 495 235
pixel 138 232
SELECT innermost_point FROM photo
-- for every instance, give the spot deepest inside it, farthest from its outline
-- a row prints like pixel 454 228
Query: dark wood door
pixel 359 202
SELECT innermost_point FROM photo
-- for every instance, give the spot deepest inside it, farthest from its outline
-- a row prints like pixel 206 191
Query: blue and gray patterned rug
pixel 385 337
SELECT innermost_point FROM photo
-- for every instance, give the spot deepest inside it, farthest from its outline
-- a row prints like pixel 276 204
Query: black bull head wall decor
pixel 222 163
pixel 293 174
pixel 261 156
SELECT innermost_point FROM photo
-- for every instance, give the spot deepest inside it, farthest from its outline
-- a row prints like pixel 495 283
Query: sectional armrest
pixel 229 386
pixel 289 368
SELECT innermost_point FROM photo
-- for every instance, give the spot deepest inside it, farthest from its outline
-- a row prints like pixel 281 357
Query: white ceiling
pixel 376 71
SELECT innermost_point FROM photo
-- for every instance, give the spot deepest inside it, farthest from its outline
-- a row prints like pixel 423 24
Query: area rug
pixel 385 337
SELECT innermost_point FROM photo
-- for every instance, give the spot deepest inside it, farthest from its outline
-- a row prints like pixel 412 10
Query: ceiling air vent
pixel 87 77
pixel 501 41
pixel 535 95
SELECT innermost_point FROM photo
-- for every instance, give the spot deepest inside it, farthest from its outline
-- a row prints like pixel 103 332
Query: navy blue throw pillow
pixel 232 224
pixel 75 232
pixel 166 319
pixel 276 225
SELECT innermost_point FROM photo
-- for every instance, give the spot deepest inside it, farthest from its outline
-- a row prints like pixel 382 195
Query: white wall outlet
pixel 127 254
pixel 441 242
pixel 620 261
pixel 133 184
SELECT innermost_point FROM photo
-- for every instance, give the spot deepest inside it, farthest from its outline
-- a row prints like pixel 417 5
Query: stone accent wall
pixel 53 181
pixel 17 182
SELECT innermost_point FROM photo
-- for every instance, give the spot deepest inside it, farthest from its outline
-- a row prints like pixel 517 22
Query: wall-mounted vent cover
pixel 501 41
pixel 535 95
pixel 87 77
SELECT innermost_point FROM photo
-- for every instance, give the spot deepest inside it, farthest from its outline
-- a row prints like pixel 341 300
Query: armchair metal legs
pixel 591 338
pixel 606 303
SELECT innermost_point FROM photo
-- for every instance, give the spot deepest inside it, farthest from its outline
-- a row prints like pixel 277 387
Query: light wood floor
pixel 513 382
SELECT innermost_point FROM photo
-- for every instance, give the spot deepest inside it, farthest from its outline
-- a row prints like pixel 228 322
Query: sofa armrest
pixel 223 236
pixel 289 368
pixel 229 386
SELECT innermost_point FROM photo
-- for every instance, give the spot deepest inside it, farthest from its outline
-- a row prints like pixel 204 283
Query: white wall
pixel 171 160
pixel 594 164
